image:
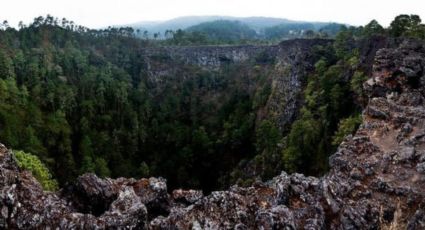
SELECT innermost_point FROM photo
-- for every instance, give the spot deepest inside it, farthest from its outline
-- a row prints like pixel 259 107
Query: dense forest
pixel 80 100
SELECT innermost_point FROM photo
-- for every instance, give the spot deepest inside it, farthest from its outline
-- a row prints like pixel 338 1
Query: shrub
pixel 37 168
pixel 346 126
pixel 356 83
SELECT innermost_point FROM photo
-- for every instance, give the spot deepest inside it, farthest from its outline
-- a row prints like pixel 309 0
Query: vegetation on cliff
pixel 37 168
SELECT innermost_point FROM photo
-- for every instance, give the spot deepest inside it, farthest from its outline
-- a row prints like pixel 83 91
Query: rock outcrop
pixel 214 57
pixel 376 180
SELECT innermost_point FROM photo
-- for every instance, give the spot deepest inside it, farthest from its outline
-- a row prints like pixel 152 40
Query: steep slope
pixel 267 80
pixel 287 64
pixel 377 178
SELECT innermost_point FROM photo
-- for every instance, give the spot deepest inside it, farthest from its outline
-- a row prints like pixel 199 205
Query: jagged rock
pixel 421 168
pixel 375 113
pixel 127 210
pixel 187 196
pixel 417 221
pixel 91 194
pixel 376 180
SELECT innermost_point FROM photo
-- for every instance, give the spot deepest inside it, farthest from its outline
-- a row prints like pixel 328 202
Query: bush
pixel 346 126
pixel 356 83
pixel 144 170
pixel 101 167
pixel 37 168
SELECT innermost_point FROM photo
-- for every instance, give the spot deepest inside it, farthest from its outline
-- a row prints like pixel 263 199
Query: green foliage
pixel 87 165
pixel 330 30
pixel 407 25
pixel 224 30
pixel 37 168
pixel 267 136
pixel 6 66
pixel 101 167
pixel 321 66
pixel 302 143
pixel 373 28
pixel 305 30
pixel 327 101
pixel 345 127
pixel 356 83
pixel 181 37
pixel 144 170
pixel 261 96
pixel 344 42
pixel 287 30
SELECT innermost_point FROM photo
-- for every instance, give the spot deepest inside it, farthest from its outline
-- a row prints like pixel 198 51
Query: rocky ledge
pixel 376 180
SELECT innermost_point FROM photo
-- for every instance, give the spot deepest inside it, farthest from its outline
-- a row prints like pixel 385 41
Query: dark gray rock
pixel 421 167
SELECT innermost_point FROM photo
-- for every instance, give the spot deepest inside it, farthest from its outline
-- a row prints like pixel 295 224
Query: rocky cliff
pixel 214 57
pixel 288 65
pixel 376 181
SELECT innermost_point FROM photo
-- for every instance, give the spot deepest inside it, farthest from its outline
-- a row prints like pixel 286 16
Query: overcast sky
pixel 101 13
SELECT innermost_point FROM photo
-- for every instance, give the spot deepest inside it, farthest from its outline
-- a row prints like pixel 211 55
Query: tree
pixel 267 136
pixel 32 142
pixel 87 165
pixel 6 66
pixel 87 154
pixel 373 28
pixel 302 144
pixel 343 44
pixel 101 167
pixel 345 127
pixel 309 34
pixel 5 25
pixel 405 25
pixel 144 170
pixel 356 83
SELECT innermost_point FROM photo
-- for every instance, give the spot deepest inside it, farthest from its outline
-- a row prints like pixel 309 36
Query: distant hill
pixel 256 23
pixel 224 30
pixel 264 27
